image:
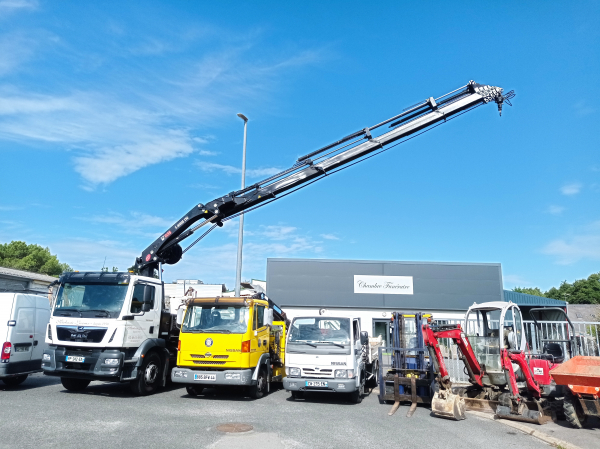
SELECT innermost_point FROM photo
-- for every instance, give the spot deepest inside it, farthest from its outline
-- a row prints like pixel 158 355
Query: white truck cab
pixel 326 353
pixel 23 321
pixel 112 327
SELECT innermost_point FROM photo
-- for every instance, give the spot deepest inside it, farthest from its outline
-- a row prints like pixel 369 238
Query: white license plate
pixel 74 358
pixel 210 377
pixel 310 383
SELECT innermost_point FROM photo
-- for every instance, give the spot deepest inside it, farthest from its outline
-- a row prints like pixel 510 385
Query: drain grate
pixel 234 427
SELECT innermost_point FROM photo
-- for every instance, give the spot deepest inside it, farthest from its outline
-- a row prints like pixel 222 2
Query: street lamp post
pixel 238 271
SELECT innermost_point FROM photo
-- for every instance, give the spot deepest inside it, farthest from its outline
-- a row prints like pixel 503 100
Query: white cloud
pixel 129 123
pixel 231 170
pixel 330 237
pixel 571 189
pixel 585 245
pixel 583 108
pixel 9 6
pixel 515 280
pixel 134 223
pixel 555 210
pixel 207 153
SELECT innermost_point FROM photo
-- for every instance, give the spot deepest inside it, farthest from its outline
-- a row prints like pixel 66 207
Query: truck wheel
pixel 261 388
pixel 74 384
pixel 573 411
pixel 357 396
pixel 297 395
pixel 149 378
pixel 194 390
pixel 14 381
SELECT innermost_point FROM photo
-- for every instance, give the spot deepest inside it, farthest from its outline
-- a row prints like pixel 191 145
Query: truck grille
pixel 207 362
pixel 201 356
pixel 80 334
pixel 220 357
pixel 317 373
pixel 197 356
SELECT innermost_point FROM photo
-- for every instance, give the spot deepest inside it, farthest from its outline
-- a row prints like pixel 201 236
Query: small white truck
pixel 329 354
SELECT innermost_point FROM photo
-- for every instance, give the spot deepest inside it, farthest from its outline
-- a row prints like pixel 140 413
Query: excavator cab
pixel 490 327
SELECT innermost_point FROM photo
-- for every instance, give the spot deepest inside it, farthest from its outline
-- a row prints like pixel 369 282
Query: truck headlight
pixel 111 361
pixel 46 358
pixel 342 373
pixel 294 371
pixel 350 373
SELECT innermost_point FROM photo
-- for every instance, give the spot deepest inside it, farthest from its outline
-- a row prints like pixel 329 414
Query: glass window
pixel 320 330
pixel 518 326
pixel 25 321
pixel 90 300
pixel 216 318
pixel 137 300
pixel 259 316
pixel 356 331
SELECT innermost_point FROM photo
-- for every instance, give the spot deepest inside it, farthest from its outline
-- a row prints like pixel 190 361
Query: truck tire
pixel 356 397
pixel 149 378
pixel 262 384
pixel 194 390
pixel 14 381
pixel 74 384
pixel 573 411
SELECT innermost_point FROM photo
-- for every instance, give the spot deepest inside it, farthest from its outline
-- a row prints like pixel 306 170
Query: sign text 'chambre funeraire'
pixel 387 285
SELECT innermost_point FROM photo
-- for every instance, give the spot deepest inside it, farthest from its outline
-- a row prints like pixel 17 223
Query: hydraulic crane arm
pixel 423 116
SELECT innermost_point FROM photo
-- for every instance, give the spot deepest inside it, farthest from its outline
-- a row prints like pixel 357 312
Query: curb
pixel 535 433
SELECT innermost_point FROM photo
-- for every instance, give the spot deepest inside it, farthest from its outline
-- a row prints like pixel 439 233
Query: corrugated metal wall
pixel 330 283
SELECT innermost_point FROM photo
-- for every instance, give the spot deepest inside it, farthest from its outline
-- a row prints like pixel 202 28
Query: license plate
pixel 210 377
pixel 74 358
pixel 311 383
pixel 22 348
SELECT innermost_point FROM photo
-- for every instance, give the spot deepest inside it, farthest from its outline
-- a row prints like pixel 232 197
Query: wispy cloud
pixel 571 189
pixel 135 223
pixel 555 210
pixel 231 170
pixel 330 237
pixel 583 108
pixel 11 6
pixel 579 246
pixel 515 280
pixel 129 123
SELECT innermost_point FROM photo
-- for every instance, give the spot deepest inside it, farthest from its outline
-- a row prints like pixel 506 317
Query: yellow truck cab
pixel 230 341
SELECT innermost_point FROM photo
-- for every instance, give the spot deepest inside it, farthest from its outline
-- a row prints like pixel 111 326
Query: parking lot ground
pixel 41 413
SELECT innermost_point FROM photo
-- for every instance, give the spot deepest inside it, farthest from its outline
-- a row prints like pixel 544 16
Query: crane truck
pixel 117 326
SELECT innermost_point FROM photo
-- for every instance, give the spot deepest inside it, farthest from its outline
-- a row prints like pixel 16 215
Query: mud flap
pixel 448 405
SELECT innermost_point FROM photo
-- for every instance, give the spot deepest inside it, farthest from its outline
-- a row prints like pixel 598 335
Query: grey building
pixel 20 281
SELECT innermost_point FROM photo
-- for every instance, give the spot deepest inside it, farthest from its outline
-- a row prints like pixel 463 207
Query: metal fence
pixel 586 335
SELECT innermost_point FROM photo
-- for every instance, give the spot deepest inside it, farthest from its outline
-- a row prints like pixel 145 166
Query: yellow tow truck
pixel 230 341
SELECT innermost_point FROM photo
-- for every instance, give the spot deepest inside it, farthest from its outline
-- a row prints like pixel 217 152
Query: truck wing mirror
pixel 269 317
pixel 364 338
pixel 146 307
pixel 180 312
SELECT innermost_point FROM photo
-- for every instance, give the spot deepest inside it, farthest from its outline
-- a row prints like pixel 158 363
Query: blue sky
pixel 116 117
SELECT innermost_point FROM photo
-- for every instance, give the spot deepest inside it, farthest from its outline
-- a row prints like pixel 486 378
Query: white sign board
pixel 388 285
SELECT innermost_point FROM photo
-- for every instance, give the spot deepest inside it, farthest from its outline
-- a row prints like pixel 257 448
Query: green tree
pixel 34 258
pixel 530 291
pixel 582 291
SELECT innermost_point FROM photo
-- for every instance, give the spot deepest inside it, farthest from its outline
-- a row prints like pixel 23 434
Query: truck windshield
pixel 320 330
pixel 90 300
pixel 216 318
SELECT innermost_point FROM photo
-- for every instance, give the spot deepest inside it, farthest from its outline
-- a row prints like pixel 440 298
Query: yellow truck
pixel 230 341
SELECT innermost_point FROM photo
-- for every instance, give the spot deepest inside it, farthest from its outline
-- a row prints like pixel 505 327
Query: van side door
pixel 21 334
pixel 145 323
pixel 42 318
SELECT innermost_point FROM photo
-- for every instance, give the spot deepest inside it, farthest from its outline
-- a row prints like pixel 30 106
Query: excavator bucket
pixel 525 415
pixel 448 405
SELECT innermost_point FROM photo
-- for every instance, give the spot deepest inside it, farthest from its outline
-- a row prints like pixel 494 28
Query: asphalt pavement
pixel 41 413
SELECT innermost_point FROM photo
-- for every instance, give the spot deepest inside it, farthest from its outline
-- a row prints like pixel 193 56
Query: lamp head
pixel 243 117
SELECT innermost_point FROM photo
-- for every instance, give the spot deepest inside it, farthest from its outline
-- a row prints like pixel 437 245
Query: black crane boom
pixel 166 248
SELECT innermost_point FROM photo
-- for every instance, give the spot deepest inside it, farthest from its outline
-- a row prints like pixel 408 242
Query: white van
pixel 23 322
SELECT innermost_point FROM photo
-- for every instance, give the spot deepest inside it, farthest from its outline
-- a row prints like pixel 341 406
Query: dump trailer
pixel 581 375
pixel 409 376
pixel 230 341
